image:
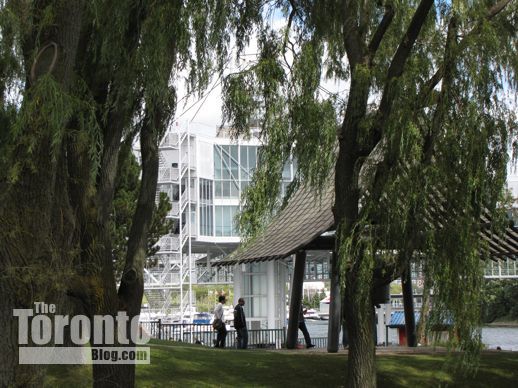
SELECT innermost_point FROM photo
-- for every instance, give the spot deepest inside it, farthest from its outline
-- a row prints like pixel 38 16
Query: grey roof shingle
pixel 306 216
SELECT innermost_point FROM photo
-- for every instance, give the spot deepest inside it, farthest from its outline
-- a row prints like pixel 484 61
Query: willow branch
pixel 407 43
pixel 287 33
pixel 438 116
pixel 375 42
pixel 496 9
pixel 398 64
pixel 439 74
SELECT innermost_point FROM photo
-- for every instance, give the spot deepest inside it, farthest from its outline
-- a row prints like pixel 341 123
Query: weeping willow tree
pixel 416 146
pixel 77 79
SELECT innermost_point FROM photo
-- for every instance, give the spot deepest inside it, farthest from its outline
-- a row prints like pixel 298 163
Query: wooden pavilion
pixel 307 223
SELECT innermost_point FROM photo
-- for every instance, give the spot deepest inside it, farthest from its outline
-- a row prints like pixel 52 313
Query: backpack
pixel 217 324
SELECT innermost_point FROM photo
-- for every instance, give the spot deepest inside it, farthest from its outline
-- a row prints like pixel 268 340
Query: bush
pixel 500 300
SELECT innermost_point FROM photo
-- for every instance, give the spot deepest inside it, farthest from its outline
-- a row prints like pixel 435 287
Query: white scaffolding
pixel 168 284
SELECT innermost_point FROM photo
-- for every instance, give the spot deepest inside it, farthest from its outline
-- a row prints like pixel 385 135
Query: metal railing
pixel 169 244
pixel 205 335
pixel 168 174
pixel 319 342
pixel 155 279
pixel 170 140
pixel 175 210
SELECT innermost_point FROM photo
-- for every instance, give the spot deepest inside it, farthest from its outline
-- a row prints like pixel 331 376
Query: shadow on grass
pixel 186 365
pixel 495 370
pixel 183 365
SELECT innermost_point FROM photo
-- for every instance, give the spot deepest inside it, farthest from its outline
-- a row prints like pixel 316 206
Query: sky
pixel 204 113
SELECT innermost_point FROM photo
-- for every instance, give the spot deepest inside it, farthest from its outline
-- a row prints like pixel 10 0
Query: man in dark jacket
pixel 240 324
pixel 303 328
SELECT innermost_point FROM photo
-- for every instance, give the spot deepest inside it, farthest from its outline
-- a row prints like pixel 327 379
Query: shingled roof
pixel 306 216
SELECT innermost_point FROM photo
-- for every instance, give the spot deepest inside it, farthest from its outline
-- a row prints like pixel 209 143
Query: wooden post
pixel 296 299
pixel 408 304
pixel 335 317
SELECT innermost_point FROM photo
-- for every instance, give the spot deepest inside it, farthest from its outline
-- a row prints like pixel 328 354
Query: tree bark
pixel 408 304
pixel 296 299
pixel 357 295
pixel 35 232
pixel 359 317
pixel 131 289
pixel 421 335
pixel 335 314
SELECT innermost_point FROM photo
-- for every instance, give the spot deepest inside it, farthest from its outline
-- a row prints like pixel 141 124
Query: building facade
pixel 204 178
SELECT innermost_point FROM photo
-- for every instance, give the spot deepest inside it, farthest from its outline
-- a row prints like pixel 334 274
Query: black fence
pixel 204 334
pixel 319 342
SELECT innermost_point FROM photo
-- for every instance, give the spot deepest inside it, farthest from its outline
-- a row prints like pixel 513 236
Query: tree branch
pixel 354 46
pixel 439 74
pixel 438 116
pixel 407 43
pixel 496 9
pixel 380 32
pixel 287 33
pixel 398 64
pixel 364 19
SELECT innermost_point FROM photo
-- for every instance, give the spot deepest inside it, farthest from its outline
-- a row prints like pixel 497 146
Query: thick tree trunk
pixel 361 368
pixel 25 255
pixel 358 280
pixel 335 314
pixel 297 283
pixel 408 304
pixel 9 337
pixel 34 248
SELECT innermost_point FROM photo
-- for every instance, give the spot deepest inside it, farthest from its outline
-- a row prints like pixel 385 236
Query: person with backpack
pixel 219 323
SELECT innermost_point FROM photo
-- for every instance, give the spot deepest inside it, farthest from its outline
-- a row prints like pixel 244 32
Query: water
pixel 505 337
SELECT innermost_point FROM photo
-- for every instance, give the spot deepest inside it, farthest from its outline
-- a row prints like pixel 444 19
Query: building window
pixel 234 166
pixel 206 207
pixel 254 288
pixel 226 171
pixel 225 221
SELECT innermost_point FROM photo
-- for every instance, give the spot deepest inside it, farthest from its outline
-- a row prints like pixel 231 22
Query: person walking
pixel 240 324
pixel 303 328
pixel 222 329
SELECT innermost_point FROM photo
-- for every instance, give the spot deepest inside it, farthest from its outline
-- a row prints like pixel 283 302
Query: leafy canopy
pixel 424 126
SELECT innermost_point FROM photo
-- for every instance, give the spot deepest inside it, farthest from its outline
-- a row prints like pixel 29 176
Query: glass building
pixel 204 177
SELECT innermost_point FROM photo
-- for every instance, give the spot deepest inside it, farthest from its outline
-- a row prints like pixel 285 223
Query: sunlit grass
pixel 183 365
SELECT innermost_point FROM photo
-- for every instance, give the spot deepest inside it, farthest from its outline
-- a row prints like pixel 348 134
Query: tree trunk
pixel 408 305
pixel 131 289
pixel 34 247
pixel 359 317
pixel 357 269
pixel 9 337
pixel 297 283
pixel 335 314
pixel 422 336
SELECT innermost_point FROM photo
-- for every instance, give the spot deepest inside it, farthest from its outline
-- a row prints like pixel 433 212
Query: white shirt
pixel 218 311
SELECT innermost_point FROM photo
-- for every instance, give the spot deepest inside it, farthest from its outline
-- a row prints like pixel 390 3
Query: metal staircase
pixel 167 285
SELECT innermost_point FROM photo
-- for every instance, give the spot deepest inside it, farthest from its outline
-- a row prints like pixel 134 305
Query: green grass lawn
pixel 196 366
